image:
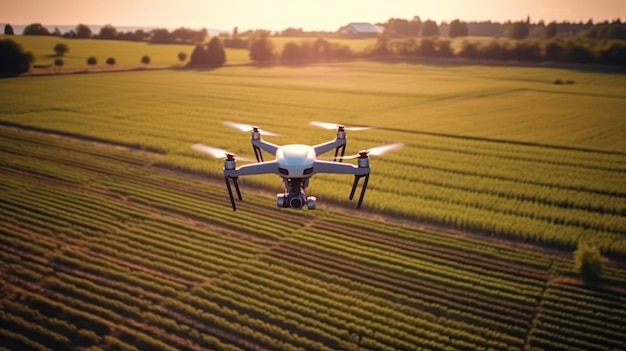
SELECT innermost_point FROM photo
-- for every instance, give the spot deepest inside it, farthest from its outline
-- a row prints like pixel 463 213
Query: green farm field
pixel 129 54
pixel 488 149
pixel 117 235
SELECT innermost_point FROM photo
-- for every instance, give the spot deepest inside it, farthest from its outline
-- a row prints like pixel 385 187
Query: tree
pixel 262 50
pixel 555 51
pixel 111 61
pixel 469 50
pixel 588 262
pixel 198 56
pixel 160 36
pixel 381 48
pixel 13 59
pixel 403 27
pixel 145 59
pixel 107 32
pixel 216 55
pixel 291 52
pixel 430 29
pixel 321 49
pixel 518 30
pixel 614 53
pixel 292 32
pixel 551 30
pixel 428 48
pixel 84 32
pixel 579 53
pixel 61 49
pixel 182 57
pixel 444 48
pixel 457 29
pixel 36 29
pixel 8 30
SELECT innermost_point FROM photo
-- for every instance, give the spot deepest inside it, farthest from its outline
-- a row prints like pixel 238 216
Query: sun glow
pixel 309 15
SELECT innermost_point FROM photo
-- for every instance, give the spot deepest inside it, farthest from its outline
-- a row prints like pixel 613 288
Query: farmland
pixel 116 235
pixel 101 250
pixel 129 54
pixel 488 149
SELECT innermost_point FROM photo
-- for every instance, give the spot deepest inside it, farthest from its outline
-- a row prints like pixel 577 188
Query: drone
pixel 297 163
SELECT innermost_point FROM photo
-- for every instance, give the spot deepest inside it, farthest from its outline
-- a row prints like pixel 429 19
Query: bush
pixel 588 262
pixel 111 61
pixel 13 59
pixel 145 59
pixel 59 62
pixel 182 57
pixel 92 61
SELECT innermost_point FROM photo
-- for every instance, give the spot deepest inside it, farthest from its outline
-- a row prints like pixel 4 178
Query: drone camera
pixel 295 202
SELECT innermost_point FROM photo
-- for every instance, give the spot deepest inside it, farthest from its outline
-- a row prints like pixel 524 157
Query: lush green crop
pixel 488 149
pixel 101 249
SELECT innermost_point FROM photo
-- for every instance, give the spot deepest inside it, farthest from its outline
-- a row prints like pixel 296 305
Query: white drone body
pixel 296 164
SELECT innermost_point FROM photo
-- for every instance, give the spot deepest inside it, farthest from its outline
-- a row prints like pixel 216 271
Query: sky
pixel 327 15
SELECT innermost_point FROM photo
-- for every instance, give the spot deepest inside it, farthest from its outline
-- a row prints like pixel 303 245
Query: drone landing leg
pixel 363 188
pixel 343 152
pixel 230 191
pixel 258 154
pixel 367 178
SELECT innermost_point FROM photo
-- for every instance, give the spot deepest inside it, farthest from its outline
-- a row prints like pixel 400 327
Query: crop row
pixel 477 210
pixel 153 263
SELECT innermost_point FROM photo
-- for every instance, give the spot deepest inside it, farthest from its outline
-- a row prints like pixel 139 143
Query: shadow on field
pixel 458 62
pixel 206 68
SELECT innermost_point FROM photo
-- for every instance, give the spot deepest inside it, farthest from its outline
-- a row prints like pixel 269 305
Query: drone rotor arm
pixel 323 148
pixel 253 169
pixel 265 146
pixel 339 168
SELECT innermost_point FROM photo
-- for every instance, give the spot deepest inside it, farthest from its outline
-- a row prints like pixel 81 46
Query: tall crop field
pixel 495 150
pixel 101 250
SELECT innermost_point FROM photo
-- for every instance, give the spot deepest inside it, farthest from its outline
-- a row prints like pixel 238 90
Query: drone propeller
pixel 376 151
pixel 334 126
pixel 217 153
pixel 248 128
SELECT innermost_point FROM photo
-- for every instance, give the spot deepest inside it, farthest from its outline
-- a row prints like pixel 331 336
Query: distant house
pixel 361 30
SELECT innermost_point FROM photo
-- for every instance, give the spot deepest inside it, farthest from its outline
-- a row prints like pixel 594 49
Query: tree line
pixel 603 43
pixel 108 32
pixel 398 27
pixel 394 27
